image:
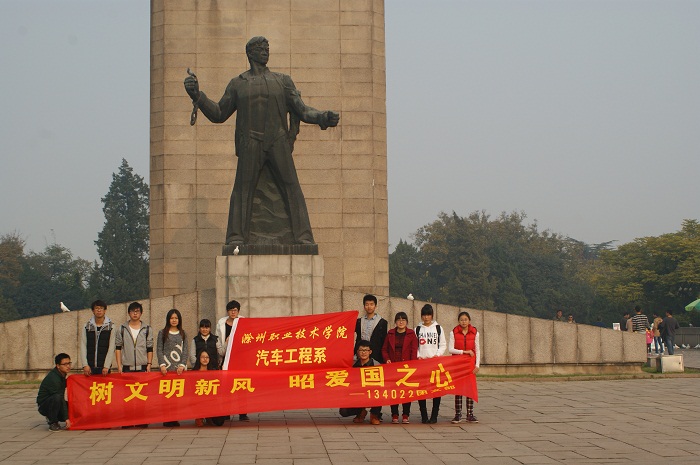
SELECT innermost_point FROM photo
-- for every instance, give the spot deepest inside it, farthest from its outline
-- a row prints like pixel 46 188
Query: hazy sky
pixel 584 115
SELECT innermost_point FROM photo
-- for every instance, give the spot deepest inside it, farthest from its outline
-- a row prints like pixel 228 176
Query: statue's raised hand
pixel 192 86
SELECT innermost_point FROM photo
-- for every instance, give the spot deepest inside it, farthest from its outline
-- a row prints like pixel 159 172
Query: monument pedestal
pixel 270 285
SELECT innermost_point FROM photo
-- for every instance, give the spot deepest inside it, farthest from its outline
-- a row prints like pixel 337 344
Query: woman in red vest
pixel 464 341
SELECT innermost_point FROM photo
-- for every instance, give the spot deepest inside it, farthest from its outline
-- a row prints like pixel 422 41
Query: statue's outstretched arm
pixel 325 119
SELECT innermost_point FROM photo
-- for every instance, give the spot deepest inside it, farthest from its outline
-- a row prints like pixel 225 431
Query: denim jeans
pixel 668 340
pixel 658 344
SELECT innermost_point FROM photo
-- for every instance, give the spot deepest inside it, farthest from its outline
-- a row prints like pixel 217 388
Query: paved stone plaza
pixel 617 421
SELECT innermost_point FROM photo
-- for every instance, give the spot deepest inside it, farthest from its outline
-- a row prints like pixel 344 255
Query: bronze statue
pixel 264 141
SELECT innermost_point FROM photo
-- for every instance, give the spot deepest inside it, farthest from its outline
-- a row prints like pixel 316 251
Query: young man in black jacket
pixel 51 397
pixel 371 327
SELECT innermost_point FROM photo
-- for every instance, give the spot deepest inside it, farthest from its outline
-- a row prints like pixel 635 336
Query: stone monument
pixel 269 109
pixel 334 50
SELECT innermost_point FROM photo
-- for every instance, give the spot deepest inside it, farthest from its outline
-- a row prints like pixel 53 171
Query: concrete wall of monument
pixel 509 343
pixel 334 51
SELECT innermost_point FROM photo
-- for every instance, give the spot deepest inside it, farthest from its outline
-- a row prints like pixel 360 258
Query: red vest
pixel 464 341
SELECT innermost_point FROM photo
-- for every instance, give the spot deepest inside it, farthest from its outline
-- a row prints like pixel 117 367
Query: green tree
pixel 11 259
pixel 501 264
pixel 455 261
pixel 658 273
pixel 51 277
pixel 123 242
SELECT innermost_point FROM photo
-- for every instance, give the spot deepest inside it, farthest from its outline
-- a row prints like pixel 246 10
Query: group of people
pixel 375 344
pixel 129 347
pixel 661 332
pixel 559 316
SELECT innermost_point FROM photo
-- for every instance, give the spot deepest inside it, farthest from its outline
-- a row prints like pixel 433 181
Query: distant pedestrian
pixel 570 319
pixel 650 339
pixel 626 322
pixel 658 341
pixel 559 316
pixel 640 322
pixel 669 325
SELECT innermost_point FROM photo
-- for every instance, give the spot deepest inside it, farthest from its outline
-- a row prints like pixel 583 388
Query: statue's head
pixel 258 50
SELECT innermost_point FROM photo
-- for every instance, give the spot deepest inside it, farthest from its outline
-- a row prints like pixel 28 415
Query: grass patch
pixel 19 383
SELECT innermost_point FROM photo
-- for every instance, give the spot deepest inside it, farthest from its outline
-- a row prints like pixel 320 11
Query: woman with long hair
pixel 171 348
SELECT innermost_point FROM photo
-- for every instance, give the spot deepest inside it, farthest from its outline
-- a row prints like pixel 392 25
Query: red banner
pixel 268 374
pixel 291 343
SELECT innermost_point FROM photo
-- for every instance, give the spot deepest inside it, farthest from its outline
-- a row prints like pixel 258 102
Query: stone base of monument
pixel 270 285
pixel 271 249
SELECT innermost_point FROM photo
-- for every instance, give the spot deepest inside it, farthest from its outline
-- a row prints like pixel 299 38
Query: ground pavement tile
pixel 534 460
pixel 523 422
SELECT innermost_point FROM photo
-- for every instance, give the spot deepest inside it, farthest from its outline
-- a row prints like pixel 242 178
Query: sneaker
pixel 53 427
pixel 374 419
pixel 456 419
pixel 395 419
pixel 404 420
pixel 243 417
pixel 472 419
pixel 360 418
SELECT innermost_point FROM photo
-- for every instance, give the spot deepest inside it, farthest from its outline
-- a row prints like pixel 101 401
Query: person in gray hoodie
pixel 133 343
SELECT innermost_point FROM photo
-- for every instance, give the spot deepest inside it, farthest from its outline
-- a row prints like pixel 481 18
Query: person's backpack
pixel 439 331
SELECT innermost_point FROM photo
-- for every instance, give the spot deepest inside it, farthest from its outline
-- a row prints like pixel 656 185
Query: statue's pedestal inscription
pixel 270 285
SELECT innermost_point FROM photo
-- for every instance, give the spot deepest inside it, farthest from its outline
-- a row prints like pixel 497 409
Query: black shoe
pixel 432 420
pixel 53 427
pixel 171 424
pixel 243 417
pixel 424 419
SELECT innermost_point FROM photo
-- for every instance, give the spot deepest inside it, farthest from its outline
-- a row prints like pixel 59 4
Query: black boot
pixel 435 410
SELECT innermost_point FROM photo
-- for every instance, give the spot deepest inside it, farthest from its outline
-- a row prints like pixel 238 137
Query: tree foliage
pixel 33 284
pixel 123 242
pixel 659 273
pixel 507 265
